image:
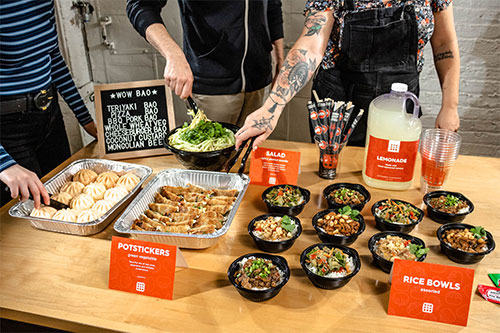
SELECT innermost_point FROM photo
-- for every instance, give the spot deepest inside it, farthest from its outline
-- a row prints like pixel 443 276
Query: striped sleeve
pixel 6 161
pixel 66 87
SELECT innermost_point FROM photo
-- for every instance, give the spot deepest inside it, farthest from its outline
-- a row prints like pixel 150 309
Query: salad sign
pixel 431 292
pixel 133 118
pixel 274 167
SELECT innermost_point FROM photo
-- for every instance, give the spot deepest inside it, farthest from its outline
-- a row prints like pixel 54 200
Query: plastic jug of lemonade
pixel 392 140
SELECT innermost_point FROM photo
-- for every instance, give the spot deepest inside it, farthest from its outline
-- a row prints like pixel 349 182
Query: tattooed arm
pixel 298 68
pixel 447 61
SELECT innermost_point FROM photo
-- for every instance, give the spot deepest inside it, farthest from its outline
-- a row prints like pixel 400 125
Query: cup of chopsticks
pixel 330 120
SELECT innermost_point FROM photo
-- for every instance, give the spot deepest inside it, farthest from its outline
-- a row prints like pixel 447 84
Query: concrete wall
pixel 478 28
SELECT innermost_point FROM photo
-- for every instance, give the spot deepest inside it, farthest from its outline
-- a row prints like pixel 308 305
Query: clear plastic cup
pixel 329 158
pixel 439 148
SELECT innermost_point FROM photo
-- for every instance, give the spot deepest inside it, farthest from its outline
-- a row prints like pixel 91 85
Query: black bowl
pixel 460 256
pixel 259 295
pixel 274 247
pixel 210 160
pixel 358 187
pixel 337 239
pixel 442 217
pixel 382 263
pixel 290 211
pixel 382 225
pixel 327 282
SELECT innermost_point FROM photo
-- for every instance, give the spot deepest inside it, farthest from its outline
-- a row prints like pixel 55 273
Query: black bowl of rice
pixel 341 265
pixel 460 245
pixel 205 160
pixel 337 235
pixel 388 245
pixel 259 276
pixel 292 205
pixel 274 232
pixel 396 215
pixel 440 215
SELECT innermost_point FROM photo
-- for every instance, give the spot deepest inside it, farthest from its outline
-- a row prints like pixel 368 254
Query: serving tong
pixel 53 203
pixel 192 104
pixel 233 160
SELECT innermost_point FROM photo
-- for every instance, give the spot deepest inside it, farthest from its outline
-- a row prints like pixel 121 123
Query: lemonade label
pixel 391 160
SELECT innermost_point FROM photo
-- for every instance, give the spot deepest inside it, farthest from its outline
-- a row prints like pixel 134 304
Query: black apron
pixel 378 48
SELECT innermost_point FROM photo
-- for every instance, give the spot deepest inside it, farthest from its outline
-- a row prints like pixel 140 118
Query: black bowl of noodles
pixel 239 271
pixel 203 160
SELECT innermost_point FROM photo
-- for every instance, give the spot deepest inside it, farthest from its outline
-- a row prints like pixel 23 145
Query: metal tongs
pixel 233 160
pixel 192 104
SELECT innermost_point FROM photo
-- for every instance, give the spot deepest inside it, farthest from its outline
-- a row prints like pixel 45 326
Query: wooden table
pixel 61 281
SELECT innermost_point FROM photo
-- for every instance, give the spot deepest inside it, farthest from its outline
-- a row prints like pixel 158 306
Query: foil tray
pixel 23 209
pixel 181 177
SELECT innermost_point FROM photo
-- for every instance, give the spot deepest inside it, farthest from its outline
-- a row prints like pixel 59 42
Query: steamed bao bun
pixel 63 197
pixel 95 190
pixel 85 176
pixel 81 202
pixel 108 178
pixel 102 206
pixel 68 215
pixel 72 188
pixel 45 211
pixel 115 194
pixel 87 215
pixel 128 180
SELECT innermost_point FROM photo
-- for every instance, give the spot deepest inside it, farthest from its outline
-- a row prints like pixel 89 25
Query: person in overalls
pixel 363 46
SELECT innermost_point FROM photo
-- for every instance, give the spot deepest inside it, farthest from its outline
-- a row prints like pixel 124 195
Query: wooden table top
pixel 61 281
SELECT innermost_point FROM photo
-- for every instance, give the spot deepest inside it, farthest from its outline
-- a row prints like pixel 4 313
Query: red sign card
pixel 274 166
pixel 142 267
pixel 431 292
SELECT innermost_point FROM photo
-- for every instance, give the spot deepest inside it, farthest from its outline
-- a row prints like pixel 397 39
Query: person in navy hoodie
pixel 226 60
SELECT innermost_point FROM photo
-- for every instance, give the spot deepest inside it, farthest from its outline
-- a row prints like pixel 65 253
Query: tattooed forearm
pixel 264 123
pixel 443 55
pixel 314 23
pixel 293 75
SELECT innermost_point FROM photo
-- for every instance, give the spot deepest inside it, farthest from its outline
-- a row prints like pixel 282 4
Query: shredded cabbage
pixel 201 135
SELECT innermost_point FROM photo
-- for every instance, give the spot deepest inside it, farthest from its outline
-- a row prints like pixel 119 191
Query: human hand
pixel 448 119
pixel 22 182
pixel 178 75
pixel 91 129
pixel 260 124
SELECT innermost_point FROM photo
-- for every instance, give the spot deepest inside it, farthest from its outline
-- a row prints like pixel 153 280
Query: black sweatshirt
pixel 215 42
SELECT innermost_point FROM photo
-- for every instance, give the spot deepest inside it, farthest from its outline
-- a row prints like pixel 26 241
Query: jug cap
pixel 399 87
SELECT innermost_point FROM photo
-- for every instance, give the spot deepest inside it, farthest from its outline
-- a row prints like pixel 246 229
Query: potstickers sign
pixel 133 118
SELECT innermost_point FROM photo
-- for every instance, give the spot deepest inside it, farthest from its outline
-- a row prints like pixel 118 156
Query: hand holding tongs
pixel 233 160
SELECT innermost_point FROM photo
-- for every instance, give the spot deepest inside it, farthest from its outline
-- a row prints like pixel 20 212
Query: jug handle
pixel 416 105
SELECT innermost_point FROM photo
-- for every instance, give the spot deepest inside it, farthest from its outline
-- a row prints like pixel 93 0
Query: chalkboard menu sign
pixel 133 118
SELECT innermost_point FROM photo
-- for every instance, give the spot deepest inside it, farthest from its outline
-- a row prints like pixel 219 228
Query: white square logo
pixel 427 307
pixel 272 180
pixel 140 286
pixel 393 146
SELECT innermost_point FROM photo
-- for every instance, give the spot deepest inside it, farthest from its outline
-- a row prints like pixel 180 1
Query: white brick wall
pixel 478 28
